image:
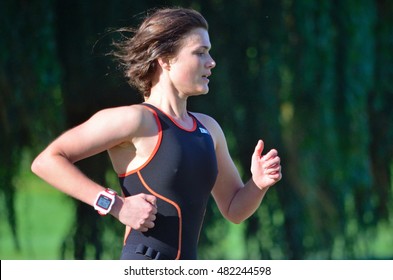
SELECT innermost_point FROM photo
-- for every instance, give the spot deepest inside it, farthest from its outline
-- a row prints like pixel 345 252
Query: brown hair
pixel 159 35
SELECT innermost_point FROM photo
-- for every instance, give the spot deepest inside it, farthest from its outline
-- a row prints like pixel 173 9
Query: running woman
pixel 168 160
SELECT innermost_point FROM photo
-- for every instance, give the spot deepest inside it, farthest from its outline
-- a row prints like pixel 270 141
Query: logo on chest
pixel 203 130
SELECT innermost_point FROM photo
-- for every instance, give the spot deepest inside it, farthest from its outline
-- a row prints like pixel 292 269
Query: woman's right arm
pixel 104 130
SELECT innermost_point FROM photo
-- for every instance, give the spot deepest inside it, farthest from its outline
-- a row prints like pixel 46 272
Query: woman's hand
pixel 266 170
pixel 138 211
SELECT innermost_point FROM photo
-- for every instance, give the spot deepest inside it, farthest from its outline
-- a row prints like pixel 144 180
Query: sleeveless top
pixel 181 173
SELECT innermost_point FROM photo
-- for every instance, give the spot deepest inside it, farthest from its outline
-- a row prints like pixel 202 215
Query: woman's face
pixel 191 67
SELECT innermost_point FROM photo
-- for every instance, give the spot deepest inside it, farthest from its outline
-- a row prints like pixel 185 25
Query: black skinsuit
pixel 181 174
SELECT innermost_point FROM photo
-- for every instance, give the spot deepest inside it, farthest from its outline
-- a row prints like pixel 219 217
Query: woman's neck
pixel 169 102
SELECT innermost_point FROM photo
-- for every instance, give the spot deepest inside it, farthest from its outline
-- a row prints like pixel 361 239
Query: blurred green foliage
pixel 311 78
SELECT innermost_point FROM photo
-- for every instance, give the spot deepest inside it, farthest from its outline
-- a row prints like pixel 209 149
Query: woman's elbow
pixel 42 163
pixel 36 165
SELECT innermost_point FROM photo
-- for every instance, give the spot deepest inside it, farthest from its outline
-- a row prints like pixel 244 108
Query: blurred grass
pixel 44 215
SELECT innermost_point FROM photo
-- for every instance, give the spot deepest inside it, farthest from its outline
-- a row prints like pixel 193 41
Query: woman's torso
pixel 179 168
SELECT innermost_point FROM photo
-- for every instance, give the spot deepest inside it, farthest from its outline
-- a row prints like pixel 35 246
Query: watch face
pixel 104 202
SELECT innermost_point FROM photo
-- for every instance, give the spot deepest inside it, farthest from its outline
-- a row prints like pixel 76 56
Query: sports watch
pixel 104 201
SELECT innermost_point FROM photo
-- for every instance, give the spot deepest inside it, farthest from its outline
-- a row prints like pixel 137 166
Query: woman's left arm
pixel 238 201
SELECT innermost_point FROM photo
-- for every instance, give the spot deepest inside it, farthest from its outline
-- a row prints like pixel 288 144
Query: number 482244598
pixel 236 270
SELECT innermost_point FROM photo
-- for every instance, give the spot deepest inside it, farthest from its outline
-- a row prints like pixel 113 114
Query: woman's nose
pixel 211 63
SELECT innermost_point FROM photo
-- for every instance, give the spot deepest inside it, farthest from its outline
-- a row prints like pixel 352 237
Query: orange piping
pixel 155 148
pixel 170 202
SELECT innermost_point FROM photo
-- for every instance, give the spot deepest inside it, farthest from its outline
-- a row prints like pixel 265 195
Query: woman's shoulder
pixel 130 117
pixel 206 120
pixel 132 112
pixel 212 126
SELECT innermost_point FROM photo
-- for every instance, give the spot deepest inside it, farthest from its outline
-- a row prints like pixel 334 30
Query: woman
pixel 168 160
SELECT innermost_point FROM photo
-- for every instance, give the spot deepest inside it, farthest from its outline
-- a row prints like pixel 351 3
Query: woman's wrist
pixel 116 208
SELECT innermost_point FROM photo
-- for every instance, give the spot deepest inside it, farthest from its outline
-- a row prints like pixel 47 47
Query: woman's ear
pixel 164 62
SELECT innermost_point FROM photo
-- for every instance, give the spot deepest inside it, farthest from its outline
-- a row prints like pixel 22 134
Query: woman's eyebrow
pixel 205 47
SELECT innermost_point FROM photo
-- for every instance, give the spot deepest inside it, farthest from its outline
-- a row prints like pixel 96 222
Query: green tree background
pixel 312 78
